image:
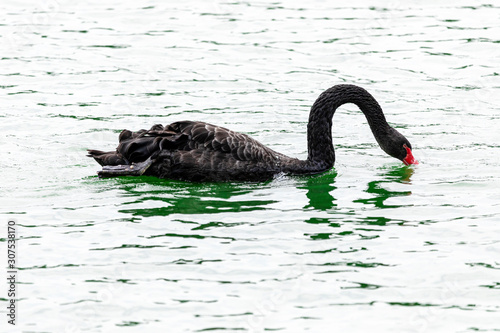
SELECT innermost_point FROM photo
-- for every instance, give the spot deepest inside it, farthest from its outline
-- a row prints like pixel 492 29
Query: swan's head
pixel 396 145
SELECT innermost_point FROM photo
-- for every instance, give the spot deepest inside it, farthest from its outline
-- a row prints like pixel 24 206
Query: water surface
pixel 371 245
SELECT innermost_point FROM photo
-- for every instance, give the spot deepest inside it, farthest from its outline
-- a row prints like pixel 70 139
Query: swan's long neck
pixel 321 155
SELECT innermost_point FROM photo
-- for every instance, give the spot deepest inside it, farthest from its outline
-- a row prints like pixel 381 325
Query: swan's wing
pixel 185 136
pixel 199 135
pixel 192 151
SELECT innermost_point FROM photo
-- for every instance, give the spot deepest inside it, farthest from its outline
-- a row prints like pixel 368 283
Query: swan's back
pixel 196 135
pixel 196 151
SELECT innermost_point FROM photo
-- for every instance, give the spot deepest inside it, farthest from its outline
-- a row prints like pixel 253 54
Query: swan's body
pixel 198 151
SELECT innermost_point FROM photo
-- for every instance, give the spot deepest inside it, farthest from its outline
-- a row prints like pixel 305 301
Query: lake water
pixel 370 246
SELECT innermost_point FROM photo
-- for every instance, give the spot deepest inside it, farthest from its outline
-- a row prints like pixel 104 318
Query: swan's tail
pixel 137 151
pixel 134 169
pixel 107 158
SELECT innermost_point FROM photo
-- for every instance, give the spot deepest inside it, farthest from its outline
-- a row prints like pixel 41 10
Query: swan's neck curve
pixel 321 154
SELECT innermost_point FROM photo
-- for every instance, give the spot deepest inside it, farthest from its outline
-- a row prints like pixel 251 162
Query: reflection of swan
pixel 319 191
pixel 380 194
pixel 199 151
pixel 185 199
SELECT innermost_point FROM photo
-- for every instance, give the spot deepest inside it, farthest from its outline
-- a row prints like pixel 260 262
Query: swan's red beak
pixel 409 159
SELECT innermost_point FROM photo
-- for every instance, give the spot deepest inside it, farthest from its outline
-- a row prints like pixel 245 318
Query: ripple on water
pixel 403 249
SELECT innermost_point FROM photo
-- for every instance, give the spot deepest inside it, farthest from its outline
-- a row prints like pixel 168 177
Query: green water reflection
pixel 189 198
pixel 159 197
pixel 380 194
pixel 319 191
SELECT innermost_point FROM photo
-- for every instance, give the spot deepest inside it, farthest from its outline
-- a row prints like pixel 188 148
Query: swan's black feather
pixel 195 151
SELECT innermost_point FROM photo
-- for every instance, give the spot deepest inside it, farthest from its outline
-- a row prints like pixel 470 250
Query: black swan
pixel 197 151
